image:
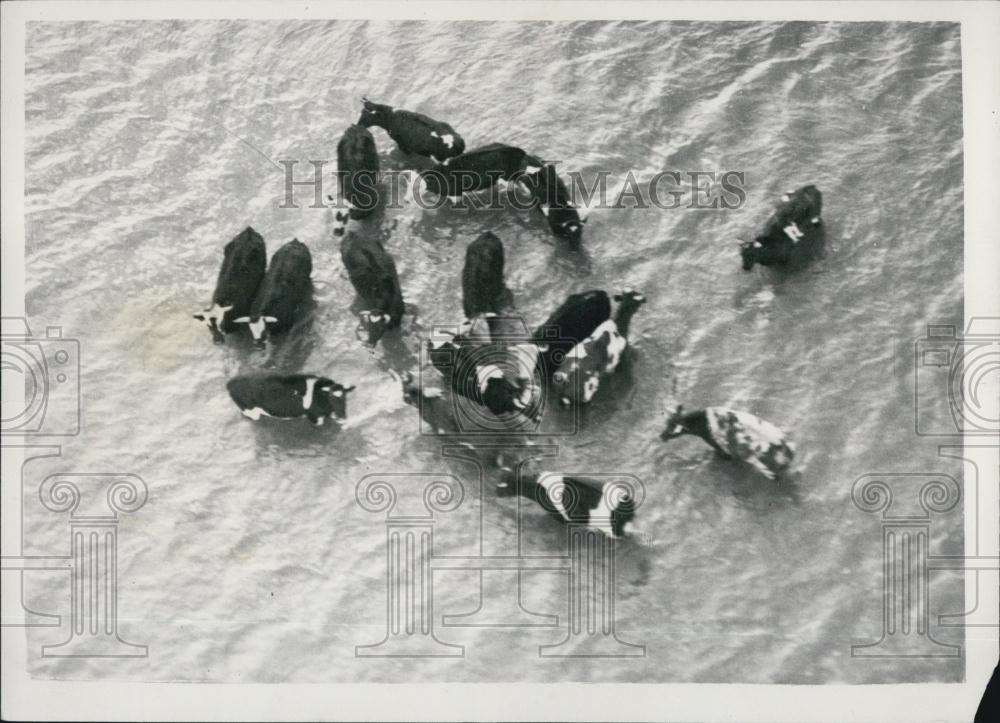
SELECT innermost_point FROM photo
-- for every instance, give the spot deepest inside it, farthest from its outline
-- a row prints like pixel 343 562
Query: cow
pixel 791 233
pixel 575 320
pixel 552 199
pixel 488 364
pixel 601 505
pixel 289 397
pixel 283 293
pixel 579 376
pixel 243 263
pixel 373 275
pixel 740 435
pixel 483 287
pixel 414 133
pixel 475 170
pixel 357 172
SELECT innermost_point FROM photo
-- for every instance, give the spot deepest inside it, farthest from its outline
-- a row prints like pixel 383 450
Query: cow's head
pixel 751 252
pixel 374 324
pixel 258 326
pixel 630 300
pixel 213 318
pixel 675 427
pixel 373 114
pixel 330 398
pixel 571 230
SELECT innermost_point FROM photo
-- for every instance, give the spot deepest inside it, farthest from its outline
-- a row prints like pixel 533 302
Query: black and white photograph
pixel 477 351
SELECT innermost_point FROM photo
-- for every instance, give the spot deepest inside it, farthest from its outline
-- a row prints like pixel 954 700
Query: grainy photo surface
pixel 528 352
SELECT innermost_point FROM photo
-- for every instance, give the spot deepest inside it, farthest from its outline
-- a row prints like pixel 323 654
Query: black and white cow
pixel 483 288
pixel 579 376
pixel 491 366
pixel 373 275
pixel 738 435
pixel 289 397
pixel 283 293
pixel 413 132
pixel 575 320
pixel 552 199
pixel 601 505
pixel 357 173
pixel 790 233
pixel 475 170
pixel 243 264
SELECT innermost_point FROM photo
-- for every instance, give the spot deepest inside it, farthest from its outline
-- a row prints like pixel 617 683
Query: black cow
pixel 574 320
pixel 413 132
pixel 483 287
pixel 357 172
pixel 603 506
pixel 373 274
pixel 552 199
pixel 790 234
pixel 283 293
pixel 243 263
pixel 476 170
pixel 289 397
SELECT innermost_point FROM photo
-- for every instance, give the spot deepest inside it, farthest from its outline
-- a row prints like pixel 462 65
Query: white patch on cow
pixel 590 386
pixel 319 421
pixel 255 413
pixel 815 220
pixel 339 393
pixel 793 232
pixel 307 399
pixel 532 170
pixel 786 198
pixel 257 328
pixel 553 484
pixel 545 210
pixel 757 244
pixel 600 518
pixel 448 139
pixel 485 373
pixel 432 393
pixel 616 347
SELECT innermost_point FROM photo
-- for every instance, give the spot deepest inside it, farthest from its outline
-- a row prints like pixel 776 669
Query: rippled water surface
pixel 148 147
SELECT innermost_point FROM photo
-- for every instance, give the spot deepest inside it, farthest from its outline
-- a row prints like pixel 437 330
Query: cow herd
pixel 493 363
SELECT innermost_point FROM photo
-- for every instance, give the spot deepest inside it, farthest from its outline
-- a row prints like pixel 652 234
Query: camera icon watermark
pixel 497 372
pixel 957 380
pixel 41 381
